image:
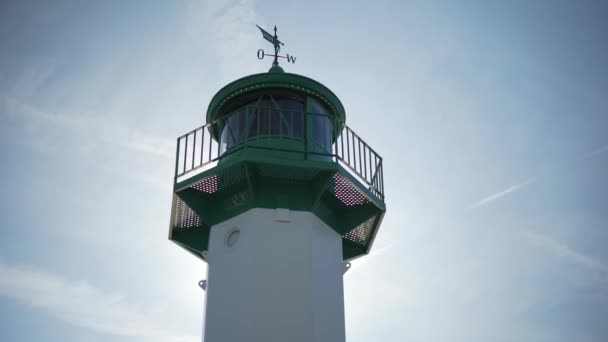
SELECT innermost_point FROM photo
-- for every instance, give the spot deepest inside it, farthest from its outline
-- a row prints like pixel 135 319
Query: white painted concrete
pixel 281 280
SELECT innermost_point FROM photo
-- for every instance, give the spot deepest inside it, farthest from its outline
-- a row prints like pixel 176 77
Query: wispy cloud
pixel 566 252
pixel 149 144
pixel 81 304
pixel 92 135
pixel 105 131
pixel 595 152
pixel 498 195
pixel 33 77
pixel 375 252
pixel 228 26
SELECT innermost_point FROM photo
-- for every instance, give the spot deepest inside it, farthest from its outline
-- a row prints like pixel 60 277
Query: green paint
pixel 261 181
pixel 294 170
pixel 273 83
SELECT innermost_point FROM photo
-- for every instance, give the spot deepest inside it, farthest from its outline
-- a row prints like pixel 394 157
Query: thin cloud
pixel 107 132
pixel 81 304
pixel 145 143
pixel 228 26
pixel 498 195
pixel 566 252
pixel 595 152
pixel 33 77
pixel 375 252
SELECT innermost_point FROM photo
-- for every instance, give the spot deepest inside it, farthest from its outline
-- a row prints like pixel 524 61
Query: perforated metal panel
pixel 184 216
pixel 221 181
pixel 346 192
pixel 362 233
pixel 208 185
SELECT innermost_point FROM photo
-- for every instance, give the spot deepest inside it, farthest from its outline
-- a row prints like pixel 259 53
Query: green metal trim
pixel 266 182
pixel 261 158
pixel 368 194
pixel 352 250
pixel 178 186
pixel 191 238
pixel 374 232
pixel 256 82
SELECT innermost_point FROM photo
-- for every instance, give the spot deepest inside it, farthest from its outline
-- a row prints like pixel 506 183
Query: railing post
pixel 364 161
pixel 177 159
pixel 342 144
pixel 213 125
pixel 354 156
pixel 202 144
pixel 185 152
pixel 347 146
pixel 381 179
pixel 376 173
pixel 194 147
pixel 369 150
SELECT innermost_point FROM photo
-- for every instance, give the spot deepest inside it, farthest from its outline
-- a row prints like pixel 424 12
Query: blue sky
pixel 491 117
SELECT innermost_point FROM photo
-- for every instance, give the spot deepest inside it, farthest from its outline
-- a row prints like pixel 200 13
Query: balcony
pixel 264 157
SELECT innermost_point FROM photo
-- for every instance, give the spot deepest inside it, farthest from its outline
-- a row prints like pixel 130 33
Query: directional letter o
pixel 260 54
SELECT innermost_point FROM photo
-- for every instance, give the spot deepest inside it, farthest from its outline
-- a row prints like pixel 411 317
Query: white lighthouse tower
pixel 276 194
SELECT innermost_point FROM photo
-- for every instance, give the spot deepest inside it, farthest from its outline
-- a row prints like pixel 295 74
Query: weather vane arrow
pixel 274 40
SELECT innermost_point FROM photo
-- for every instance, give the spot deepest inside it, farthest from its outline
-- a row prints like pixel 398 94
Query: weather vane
pixel 277 47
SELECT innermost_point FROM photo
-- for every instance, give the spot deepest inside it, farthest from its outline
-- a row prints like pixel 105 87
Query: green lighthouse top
pixel 255 84
pixel 276 140
pixel 276 81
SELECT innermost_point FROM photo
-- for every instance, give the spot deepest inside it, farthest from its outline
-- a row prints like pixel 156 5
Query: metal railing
pixel 318 134
pixel 354 153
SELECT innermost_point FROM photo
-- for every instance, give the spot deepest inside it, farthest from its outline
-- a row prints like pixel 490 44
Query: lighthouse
pixel 276 194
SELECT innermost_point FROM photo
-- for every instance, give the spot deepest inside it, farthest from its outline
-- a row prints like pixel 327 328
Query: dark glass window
pixel 321 125
pixel 278 115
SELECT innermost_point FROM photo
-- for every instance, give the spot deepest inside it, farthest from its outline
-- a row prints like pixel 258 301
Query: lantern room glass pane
pixel 321 125
pixel 278 115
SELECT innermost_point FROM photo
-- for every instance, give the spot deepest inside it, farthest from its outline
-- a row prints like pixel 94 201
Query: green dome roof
pixel 277 80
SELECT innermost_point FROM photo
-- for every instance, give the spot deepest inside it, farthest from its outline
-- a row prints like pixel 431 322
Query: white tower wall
pixel 281 280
